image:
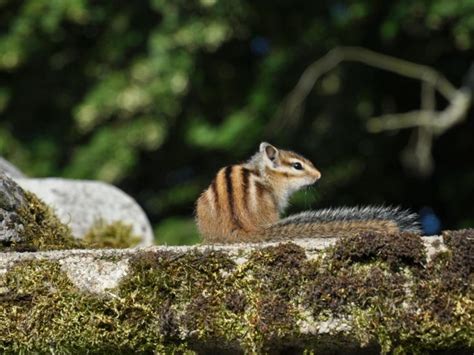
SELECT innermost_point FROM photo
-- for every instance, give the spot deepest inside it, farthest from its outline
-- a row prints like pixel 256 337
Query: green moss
pixel 188 285
pixel 44 311
pixel 235 301
pixel 280 268
pixel 459 269
pixel 396 249
pixel 110 235
pixel 44 231
pixel 42 228
pixel 336 291
pixel 41 311
pixel 175 302
pixel 395 299
pixel 424 315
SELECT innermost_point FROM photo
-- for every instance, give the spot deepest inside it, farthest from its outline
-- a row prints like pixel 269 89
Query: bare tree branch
pixel 293 105
pixel 440 121
pixel 417 154
pixel 428 122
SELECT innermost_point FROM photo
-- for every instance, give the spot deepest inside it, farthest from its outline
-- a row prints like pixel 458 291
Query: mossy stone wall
pixel 371 293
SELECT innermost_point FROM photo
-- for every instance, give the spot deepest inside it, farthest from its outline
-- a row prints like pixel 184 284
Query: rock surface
pixel 9 169
pixel 11 199
pixel 81 204
pixel 89 264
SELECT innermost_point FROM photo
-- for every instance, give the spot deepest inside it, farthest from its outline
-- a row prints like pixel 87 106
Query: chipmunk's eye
pixel 297 166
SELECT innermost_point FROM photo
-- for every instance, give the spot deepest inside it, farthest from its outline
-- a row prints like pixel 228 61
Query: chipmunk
pixel 244 203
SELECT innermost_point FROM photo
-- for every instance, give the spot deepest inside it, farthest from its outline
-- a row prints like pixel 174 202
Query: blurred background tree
pixel 155 96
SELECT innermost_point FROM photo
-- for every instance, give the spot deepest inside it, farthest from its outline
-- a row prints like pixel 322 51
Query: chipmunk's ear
pixel 269 151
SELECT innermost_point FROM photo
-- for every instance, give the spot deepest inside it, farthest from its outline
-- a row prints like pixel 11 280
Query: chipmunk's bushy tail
pixel 405 220
pixel 336 222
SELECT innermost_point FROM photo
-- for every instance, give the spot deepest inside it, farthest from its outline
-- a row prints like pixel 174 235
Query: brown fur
pixel 243 207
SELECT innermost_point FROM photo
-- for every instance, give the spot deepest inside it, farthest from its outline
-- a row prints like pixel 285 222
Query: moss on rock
pixel 44 231
pixel 178 301
pixel 459 268
pixel 397 250
pixel 115 235
pixel 42 228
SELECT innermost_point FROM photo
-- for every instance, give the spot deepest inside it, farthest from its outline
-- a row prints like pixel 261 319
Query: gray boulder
pixel 12 198
pixel 80 204
pixel 9 169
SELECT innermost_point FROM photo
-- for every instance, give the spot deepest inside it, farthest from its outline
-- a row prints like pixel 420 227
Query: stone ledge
pixel 309 294
pixel 433 244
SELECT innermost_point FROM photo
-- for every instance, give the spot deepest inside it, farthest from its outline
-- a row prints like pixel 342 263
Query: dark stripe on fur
pixel 254 172
pixel 259 189
pixel 245 186
pixel 405 220
pixel 230 195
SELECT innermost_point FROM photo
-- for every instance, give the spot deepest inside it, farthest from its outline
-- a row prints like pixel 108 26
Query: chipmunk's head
pixel 287 170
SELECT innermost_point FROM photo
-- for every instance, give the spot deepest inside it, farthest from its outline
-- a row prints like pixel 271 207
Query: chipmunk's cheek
pixel 316 176
pixel 310 181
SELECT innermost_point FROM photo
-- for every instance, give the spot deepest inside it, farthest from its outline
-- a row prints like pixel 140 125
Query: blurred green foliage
pixel 156 96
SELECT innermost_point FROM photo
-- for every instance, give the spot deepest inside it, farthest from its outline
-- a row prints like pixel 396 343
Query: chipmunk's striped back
pixel 235 205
